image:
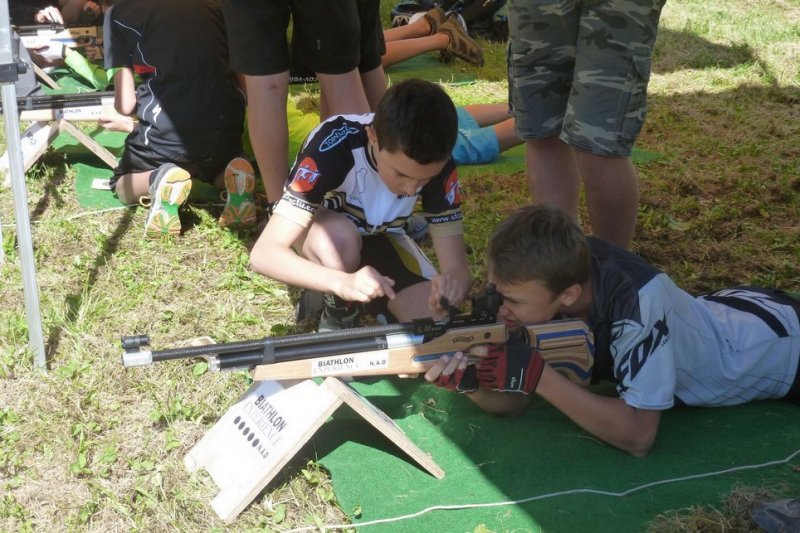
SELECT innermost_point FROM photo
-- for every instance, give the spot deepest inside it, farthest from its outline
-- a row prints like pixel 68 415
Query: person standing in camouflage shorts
pixel 578 74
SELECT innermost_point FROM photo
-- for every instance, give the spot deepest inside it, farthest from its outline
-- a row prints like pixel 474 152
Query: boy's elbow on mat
pixel 640 445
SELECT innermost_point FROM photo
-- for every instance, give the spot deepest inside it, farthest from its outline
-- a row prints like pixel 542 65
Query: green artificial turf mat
pixel 544 462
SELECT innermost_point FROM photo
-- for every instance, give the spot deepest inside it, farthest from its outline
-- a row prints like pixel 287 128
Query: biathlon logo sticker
pixel 262 426
pixel 306 176
pixel 343 365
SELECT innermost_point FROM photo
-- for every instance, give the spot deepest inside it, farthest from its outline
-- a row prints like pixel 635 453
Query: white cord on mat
pixel 543 497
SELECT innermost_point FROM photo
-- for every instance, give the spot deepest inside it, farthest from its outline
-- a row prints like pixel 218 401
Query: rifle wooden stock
pixel 567 345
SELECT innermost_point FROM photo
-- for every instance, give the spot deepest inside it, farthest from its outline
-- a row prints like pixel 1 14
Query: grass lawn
pixel 88 445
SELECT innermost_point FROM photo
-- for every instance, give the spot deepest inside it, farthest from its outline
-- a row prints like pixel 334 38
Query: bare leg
pixel 397 51
pixel 133 186
pixel 341 94
pixel 332 240
pixel 612 196
pixel 488 114
pixel 553 176
pixel 269 132
pixel 506 135
pixel 411 302
pixel 420 28
pixel 374 83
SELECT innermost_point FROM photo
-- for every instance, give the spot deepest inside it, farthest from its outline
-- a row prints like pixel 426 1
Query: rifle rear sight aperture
pixel 487 304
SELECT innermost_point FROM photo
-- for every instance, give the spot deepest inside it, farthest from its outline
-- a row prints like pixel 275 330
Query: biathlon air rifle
pixel 393 349
pixel 74 107
pixel 77 36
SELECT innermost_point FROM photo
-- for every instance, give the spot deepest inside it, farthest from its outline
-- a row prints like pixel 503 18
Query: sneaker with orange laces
pixel 461 44
pixel 240 184
pixel 169 189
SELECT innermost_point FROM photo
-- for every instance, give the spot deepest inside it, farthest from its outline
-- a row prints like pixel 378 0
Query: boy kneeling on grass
pixel 354 184
pixel 189 107
pixel 662 346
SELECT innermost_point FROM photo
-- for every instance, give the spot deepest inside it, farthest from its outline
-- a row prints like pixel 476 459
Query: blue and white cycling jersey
pixel 662 345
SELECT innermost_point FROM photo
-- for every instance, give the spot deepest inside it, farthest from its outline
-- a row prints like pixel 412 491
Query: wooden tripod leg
pixel 95 147
pixel 34 142
pixel 50 82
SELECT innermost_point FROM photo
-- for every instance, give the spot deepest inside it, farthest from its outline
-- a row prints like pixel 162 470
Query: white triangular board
pixel 256 437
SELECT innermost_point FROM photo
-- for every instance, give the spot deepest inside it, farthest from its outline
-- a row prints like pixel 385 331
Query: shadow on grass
pixel 191 218
pixel 51 192
pixel 75 301
pixel 678 50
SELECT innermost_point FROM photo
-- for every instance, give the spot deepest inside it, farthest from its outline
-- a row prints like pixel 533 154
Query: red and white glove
pixel 512 367
pixel 461 380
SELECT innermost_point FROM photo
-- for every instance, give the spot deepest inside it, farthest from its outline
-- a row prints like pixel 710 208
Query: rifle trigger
pixel 268 356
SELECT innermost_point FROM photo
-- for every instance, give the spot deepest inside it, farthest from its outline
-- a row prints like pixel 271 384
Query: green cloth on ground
pixel 541 453
pixel 88 168
pixel 114 141
pixel 428 67
pixel 300 126
pixel 88 72
pixel 513 161
pixel 69 82
pixel 424 66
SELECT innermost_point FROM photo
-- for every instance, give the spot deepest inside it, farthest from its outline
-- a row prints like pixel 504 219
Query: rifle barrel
pixel 33 29
pixel 289 347
pixel 306 351
pixel 61 101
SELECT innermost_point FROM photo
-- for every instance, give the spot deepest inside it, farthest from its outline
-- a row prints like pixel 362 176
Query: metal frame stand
pixel 9 70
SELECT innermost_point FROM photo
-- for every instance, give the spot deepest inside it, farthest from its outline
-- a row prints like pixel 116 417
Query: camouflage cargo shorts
pixel 579 69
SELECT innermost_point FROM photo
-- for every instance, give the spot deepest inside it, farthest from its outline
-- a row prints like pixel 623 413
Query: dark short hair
pixel 543 243
pixel 417 118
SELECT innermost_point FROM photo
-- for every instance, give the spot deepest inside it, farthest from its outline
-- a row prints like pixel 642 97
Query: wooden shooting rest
pixel 46 125
pixel 269 424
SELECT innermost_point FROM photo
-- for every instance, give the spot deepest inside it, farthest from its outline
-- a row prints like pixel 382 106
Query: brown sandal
pixel 461 45
pixel 435 18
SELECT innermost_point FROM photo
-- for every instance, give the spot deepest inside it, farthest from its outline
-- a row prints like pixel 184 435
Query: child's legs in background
pixel 267 126
pixel 506 134
pixel 488 114
pixel 131 180
pixel 474 145
pixel 258 50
